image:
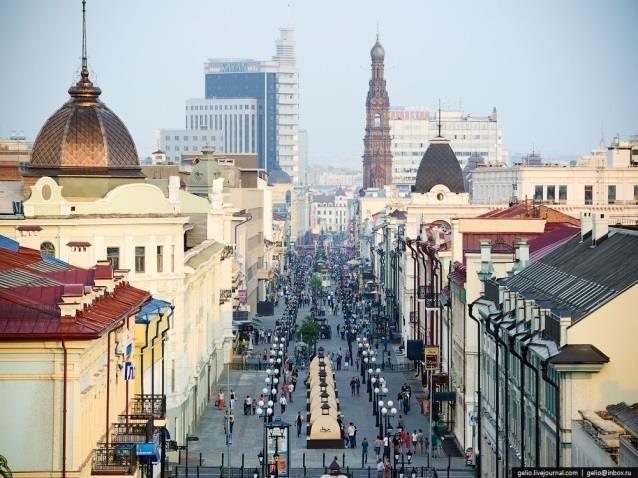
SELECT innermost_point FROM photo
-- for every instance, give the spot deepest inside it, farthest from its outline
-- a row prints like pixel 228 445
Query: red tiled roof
pixel 543 245
pixel 31 289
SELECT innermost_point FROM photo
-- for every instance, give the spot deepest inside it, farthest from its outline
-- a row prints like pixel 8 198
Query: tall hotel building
pixel 274 86
pixel 411 129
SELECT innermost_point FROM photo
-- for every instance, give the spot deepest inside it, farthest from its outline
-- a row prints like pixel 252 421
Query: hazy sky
pixel 556 70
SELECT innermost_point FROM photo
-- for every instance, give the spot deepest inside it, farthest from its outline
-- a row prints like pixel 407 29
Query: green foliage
pixel 309 331
pixel 315 284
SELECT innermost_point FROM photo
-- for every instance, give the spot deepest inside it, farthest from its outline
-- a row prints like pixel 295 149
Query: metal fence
pixel 181 471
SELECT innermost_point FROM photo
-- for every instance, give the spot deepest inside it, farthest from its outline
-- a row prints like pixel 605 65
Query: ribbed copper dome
pixel 84 134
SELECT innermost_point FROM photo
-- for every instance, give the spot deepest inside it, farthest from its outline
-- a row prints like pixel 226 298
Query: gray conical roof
pixel 439 166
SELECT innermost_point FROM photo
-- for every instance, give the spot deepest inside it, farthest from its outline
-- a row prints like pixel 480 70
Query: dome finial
pixel 439 120
pixel 85 69
pixel 84 90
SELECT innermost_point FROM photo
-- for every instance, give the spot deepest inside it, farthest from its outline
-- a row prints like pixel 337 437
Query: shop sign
pixel 431 354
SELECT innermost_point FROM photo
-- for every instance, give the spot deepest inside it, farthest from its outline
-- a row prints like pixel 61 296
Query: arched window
pixel 47 248
pixel 377 120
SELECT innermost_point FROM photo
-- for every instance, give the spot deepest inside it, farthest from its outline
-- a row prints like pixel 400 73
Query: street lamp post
pixel 189 438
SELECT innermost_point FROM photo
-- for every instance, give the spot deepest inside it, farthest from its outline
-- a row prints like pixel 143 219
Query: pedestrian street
pixel 248 430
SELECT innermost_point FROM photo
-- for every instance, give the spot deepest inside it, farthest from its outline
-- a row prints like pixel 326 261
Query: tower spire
pixel 377 31
pixel 84 62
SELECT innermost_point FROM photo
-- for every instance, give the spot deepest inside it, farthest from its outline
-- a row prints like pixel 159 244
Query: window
pixel 47 248
pixel 611 194
pixel 635 192
pixel 139 258
pixel 160 258
pixel 176 138
pixel 538 193
pixel 589 194
pixel 168 138
pixel 185 138
pixel 551 193
pixel 562 192
pixel 377 120
pixel 113 256
pixel 172 258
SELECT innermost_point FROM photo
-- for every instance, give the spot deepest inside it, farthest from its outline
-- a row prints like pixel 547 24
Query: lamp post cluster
pixel 265 408
pixel 368 361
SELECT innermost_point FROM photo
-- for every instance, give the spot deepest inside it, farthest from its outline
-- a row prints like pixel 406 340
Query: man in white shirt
pixel 283 402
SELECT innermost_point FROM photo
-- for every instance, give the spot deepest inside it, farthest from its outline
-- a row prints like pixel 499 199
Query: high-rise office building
pixel 274 86
pixel 470 136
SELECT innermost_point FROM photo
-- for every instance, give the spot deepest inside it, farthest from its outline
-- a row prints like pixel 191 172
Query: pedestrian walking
pixel 233 399
pixel 380 468
pixel 283 402
pixel 353 386
pixel 378 444
pixel 247 405
pixel 421 441
pixel 358 385
pixel 352 441
pixel 415 439
pixel 291 388
pixel 299 421
pixel 364 451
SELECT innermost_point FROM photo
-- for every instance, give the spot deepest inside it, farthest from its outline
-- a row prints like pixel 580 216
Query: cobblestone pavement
pixel 248 430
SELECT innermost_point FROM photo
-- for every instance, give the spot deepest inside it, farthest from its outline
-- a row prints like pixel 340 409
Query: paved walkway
pixel 248 430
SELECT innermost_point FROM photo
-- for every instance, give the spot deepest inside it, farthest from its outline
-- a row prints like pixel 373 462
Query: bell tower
pixel 377 158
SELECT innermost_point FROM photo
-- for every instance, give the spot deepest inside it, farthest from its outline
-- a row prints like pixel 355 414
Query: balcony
pixel 131 432
pixel 148 406
pixel 115 460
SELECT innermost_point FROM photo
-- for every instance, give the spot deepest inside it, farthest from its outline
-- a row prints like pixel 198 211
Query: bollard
pixel 324 460
pixel 303 459
pixel 368 471
pixel 222 467
pixel 343 459
pixel 179 457
pixel 198 472
pixel 200 458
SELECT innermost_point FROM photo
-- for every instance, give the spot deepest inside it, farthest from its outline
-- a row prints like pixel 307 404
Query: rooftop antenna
pixel 289 15
pixel 439 119
pixel 84 62
pixel 377 31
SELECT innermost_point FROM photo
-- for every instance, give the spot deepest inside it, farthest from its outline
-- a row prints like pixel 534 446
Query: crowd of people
pixel 343 297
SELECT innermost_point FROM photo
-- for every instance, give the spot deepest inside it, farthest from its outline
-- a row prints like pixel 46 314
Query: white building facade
pixel 611 185
pixel 412 128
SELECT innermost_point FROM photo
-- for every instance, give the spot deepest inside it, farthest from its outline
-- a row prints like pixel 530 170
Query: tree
pixel 309 331
pixel 315 284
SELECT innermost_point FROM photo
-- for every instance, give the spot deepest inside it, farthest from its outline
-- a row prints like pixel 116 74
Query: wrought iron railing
pixel 115 459
pixel 134 432
pixel 148 405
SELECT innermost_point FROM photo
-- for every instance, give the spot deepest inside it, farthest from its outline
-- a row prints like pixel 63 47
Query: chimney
pixel 565 322
pixel 522 256
pixel 173 189
pixel 585 224
pixel 487 269
pixel 599 229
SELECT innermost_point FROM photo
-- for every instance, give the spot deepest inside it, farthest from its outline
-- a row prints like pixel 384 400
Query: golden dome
pixel 85 136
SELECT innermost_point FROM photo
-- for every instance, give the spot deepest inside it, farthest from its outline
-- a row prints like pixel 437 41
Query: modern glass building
pixel 227 79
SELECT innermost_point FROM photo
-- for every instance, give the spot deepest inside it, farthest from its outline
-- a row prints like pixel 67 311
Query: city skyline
pixel 580 83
